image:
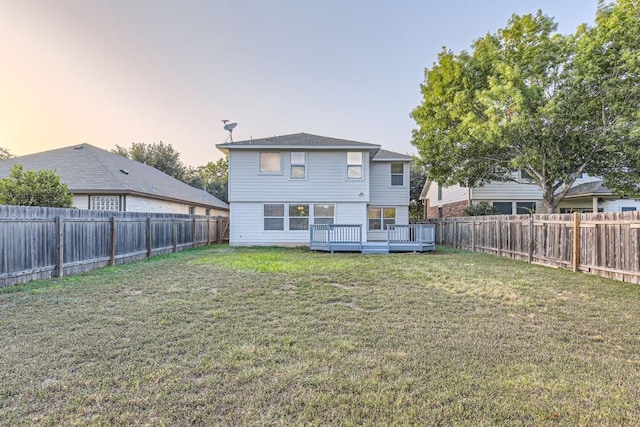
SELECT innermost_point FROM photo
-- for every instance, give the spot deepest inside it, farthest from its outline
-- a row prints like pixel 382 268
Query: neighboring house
pixel 520 197
pixel 281 185
pixel 102 180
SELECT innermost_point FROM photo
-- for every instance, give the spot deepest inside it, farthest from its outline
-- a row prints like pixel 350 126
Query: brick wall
pixel 454 209
pixel 448 210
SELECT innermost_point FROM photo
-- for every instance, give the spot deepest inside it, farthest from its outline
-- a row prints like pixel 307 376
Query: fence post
pixel 498 237
pixel 175 235
pixel 208 231
pixel 473 234
pixel 576 241
pixel 193 227
pixel 219 230
pixel 455 233
pixel 112 239
pixel 149 238
pixel 59 247
pixel 531 236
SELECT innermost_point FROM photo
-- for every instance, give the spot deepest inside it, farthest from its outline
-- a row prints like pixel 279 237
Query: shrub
pixel 34 188
pixel 480 209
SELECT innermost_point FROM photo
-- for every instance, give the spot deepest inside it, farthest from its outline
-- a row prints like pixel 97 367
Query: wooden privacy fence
pixel 38 243
pixel 606 244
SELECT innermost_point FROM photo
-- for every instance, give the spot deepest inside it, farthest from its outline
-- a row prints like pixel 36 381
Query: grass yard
pixel 264 336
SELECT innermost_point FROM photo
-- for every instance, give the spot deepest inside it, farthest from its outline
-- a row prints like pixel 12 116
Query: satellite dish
pixel 229 127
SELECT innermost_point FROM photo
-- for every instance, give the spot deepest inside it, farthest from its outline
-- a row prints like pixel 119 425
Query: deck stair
pixel 375 247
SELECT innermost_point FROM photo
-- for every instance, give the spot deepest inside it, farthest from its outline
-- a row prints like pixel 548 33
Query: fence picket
pixel 38 243
pixel 606 244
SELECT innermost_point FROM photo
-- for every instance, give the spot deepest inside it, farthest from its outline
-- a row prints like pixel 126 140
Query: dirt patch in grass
pixel 289 337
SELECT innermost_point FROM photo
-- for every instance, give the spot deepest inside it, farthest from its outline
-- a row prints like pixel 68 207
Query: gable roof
pixel 383 155
pixel 593 188
pixel 298 140
pixel 88 169
pixel 425 189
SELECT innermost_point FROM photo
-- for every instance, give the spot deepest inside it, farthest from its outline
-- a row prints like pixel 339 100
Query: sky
pixel 115 72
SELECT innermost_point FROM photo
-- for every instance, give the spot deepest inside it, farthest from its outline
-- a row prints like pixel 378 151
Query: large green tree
pixel 213 178
pixel 604 95
pixel 158 155
pixel 417 178
pixel 34 188
pixel 527 98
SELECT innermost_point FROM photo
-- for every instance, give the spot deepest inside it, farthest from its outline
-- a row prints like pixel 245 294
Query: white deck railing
pixel 349 237
pixel 411 234
pixel 329 236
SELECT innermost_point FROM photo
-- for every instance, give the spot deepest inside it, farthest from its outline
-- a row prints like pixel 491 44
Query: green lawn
pixel 288 337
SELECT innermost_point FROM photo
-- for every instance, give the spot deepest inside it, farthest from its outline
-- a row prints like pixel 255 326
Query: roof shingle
pixel 88 169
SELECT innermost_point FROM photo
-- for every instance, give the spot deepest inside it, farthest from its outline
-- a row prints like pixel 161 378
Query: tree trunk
pixel 550 202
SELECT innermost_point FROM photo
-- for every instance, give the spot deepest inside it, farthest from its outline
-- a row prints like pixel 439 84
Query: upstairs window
pixel 354 165
pixel 397 174
pixel 439 192
pixel 298 165
pixel 270 162
pixel 524 175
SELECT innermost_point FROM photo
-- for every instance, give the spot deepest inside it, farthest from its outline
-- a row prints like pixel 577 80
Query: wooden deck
pixel 349 238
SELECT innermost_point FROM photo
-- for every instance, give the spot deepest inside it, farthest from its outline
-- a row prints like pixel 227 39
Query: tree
pixel 34 188
pixel 605 96
pixel 5 154
pixel 158 155
pixel 213 178
pixel 417 178
pixel 512 104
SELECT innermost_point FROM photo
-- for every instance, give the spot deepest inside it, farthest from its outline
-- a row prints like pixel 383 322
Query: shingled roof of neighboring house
pixel 88 169
pixel 301 140
pixel 593 188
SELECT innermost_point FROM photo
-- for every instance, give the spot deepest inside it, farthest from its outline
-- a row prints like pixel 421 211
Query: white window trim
pixel 333 218
pixel 382 218
pixel 292 165
pixel 289 217
pixel 260 171
pixel 105 202
pixel 284 216
pixel 361 164
pixel 404 181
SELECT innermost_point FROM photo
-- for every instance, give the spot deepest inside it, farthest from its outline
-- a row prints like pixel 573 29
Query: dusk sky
pixel 107 72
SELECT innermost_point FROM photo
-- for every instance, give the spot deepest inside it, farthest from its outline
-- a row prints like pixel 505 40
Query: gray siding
pixel 247 224
pixel 452 194
pixel 326 179
pixel 382 192
pixel 496 191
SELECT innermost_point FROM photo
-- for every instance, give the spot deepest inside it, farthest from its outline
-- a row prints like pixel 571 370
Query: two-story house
pixel 521 196
pixel 279 186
